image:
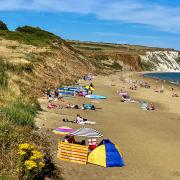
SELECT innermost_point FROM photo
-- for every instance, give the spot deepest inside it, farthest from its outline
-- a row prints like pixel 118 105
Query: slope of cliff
pixel 38 60
pixel 30 61
pixel 129 57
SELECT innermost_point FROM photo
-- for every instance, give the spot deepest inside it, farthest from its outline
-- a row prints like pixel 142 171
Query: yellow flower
pixel 26 146
pixel 21 153
pixel 41 164
pixel 30 164
pixel 36 155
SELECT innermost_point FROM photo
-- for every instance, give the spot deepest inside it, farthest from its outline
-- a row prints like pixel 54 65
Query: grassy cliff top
pixel 30 35
pixel 87 46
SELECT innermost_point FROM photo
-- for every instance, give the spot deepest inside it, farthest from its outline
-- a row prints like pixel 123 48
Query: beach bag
pixel 89 106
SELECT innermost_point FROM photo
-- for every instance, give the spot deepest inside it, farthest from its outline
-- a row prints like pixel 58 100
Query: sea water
pixel 173 77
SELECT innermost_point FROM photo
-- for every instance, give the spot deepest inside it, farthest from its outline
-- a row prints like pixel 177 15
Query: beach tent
pixel 106 154
pixel 87 132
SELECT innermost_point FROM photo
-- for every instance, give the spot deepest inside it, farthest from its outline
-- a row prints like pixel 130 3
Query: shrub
pixel 3 26
pixel 33 164
pixel 31 35
pixel 148 66
pixel 116 66
pixel 10 138
pixel 20 112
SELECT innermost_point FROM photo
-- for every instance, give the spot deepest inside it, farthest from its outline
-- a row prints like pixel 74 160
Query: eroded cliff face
pixel 117 61
pixel 129 57
pixel 35 68
pixel 161 61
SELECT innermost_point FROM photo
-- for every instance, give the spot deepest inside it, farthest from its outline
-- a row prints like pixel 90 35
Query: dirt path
pixel 149 140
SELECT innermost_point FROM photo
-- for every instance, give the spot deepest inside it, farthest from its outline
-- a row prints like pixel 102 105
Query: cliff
pixel 129 57
pixel 35 59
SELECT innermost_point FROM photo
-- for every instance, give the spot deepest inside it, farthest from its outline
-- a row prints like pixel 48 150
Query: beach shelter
pixel 106 154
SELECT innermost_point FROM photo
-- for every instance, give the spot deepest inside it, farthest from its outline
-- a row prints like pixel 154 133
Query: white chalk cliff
pixel 162 60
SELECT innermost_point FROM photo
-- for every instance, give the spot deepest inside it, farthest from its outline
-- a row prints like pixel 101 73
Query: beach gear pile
pixel 73 91
pixel 105 154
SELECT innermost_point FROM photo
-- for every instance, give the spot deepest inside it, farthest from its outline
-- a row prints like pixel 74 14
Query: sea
pixel 172 77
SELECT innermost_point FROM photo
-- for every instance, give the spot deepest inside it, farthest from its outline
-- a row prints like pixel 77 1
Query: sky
pixel 140 22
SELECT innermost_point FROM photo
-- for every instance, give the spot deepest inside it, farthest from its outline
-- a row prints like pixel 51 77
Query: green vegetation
pixel 16 68
pixel 21 112
pixel 3 26
pixel 17 113
pixel 30 35
pixel 3 76
pixel 116 66
pixel 148 66
pixel 10 138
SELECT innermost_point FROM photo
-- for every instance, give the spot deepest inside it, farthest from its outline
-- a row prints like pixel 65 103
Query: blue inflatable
pixel 94 96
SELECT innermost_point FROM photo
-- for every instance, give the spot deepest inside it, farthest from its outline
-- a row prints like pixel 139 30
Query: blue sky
pixel 143 22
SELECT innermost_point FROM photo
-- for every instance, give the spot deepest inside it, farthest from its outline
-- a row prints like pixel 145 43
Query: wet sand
pixel 149 140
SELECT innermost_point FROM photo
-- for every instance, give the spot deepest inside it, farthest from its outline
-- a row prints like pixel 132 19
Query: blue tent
pixel 106 154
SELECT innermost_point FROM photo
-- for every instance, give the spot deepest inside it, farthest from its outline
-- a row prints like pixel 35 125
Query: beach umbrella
pixel 87 132
pixel 63 130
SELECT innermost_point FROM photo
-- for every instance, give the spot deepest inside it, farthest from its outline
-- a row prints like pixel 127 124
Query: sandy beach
pixel 149 140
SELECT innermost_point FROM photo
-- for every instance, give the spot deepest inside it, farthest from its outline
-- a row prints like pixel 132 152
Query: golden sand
pixel 149 140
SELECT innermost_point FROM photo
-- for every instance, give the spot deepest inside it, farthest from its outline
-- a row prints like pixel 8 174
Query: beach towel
pixel 94 96
pixel 51 106
pixel 144 105
pixel 86 122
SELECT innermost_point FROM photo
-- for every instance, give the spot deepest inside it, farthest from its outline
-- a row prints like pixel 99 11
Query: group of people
pixel 90 89
pixel 126 98
pixel 83 107
pixel 174 94
pixel 53 95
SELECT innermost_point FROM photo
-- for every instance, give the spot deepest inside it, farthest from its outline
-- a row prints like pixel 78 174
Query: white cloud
pixel 131 11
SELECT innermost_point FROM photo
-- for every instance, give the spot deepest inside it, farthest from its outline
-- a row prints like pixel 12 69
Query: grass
pixel 17 68
pixel 17 113
pixel 30 35
pixel 115 66
pixel 21 112
pixel 3 76
pixel 10 138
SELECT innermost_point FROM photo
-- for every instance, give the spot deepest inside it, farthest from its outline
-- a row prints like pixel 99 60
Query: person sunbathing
pixel 151 107
pixel 72 106
pixel 125 98
pixel 80 120
pixel 175 94
pixel 51 106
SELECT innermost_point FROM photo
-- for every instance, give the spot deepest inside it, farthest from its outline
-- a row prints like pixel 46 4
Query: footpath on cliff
pixel 149 140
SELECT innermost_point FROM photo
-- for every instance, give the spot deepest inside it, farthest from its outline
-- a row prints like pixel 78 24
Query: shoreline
pixel 157 78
